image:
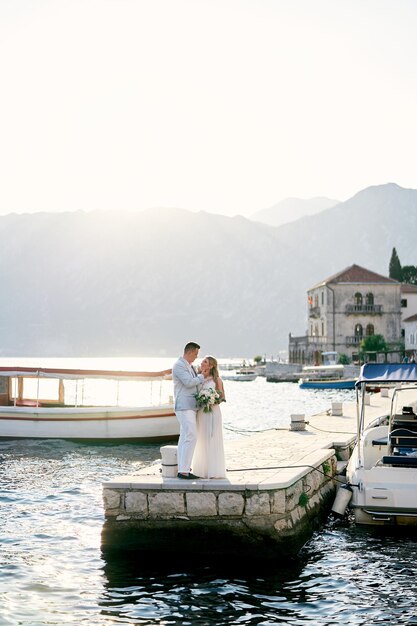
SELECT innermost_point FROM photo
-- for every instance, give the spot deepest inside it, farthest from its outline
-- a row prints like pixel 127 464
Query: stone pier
pixel 279 486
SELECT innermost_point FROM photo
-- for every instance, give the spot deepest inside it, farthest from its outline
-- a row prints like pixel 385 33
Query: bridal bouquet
pixel 207 398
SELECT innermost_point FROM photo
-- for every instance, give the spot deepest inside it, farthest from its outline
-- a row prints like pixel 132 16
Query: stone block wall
pixel 262 513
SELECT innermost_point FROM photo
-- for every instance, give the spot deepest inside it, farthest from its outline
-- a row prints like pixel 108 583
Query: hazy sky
pixel 221 105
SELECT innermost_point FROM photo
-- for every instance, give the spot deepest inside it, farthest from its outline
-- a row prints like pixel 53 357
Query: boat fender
pixel 343 496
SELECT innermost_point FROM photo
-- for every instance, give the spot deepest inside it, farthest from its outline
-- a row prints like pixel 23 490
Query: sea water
pixel 53 572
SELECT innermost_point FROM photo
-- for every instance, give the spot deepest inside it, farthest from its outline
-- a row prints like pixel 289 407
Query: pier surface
pixel 278 485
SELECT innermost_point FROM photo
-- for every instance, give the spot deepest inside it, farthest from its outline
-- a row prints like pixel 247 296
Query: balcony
pixel 317 339
pixel 353 341
pixel 367 309
pixel 314 311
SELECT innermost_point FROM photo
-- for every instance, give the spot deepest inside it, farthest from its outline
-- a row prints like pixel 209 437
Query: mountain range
pixel 291 209
pixel 143 283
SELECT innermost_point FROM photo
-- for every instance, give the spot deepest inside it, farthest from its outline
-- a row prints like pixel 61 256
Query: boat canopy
pixel 388 373
pixel 73 374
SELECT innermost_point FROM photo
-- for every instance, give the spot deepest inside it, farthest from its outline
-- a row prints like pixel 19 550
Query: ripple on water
pixel 53 572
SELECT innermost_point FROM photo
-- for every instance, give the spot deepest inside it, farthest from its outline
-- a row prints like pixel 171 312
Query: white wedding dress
pixel 208 459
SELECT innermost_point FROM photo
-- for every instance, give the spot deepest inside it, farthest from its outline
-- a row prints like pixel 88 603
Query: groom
pixel 186 382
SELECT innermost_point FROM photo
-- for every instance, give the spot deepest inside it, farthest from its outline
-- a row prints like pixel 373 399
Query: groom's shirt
pixel 186 383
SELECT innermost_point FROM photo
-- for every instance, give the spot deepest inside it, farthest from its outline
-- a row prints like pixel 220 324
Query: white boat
pixel 382 470
pixel 24 413
pixel 242 375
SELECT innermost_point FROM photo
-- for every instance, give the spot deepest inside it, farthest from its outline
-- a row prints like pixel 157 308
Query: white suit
pixel 186 383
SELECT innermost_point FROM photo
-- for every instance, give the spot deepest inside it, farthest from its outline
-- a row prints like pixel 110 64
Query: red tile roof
pixel 356 274
pixel 405 288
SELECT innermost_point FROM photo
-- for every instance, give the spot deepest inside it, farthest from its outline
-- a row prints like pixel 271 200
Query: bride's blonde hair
pixel 214 369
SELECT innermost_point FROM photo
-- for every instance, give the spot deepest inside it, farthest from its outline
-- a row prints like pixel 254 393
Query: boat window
pixel 34 388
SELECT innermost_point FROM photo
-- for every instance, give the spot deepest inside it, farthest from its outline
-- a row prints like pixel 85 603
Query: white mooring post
pixel 337 408
pixel 298 422
pixel 169 461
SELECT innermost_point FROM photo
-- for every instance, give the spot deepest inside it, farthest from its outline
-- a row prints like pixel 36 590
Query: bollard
pixel 337 408
pixel 367 399
pixel 169 461
pixel 298 422
pixel 384 392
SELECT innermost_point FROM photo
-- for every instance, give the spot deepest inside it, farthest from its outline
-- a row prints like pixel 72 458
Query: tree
pixel 257 359
pixel 373 343
pixel 409 274
pixel 344 359
pixel 395 270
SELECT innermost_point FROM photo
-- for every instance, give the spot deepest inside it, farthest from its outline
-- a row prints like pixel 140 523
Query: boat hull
pixel 241 377
pixel 327 384
pixel 382 495
pixel 90 424
pixel 387 496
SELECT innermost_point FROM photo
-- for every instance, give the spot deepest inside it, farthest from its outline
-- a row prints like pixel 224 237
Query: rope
pixel 339 432
pixel 246 430
pixel 255 469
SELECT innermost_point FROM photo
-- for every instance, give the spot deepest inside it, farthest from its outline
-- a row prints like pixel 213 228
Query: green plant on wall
pixel 303 499
pixel 326 467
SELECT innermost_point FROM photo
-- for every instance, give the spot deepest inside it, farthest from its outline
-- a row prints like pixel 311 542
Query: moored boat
pixel 382 470
pixel 242 375
pixel 70 413
pixel 338 383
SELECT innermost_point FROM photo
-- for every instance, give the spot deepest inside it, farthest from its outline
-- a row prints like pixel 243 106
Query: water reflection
pixel 183 592
pixel 344 575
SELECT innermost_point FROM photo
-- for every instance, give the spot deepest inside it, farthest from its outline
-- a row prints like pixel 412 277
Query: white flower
pixel 206 398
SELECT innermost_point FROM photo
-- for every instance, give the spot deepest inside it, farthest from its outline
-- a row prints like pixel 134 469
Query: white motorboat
pixel 382 470
pixel 242 375
pixel 67 410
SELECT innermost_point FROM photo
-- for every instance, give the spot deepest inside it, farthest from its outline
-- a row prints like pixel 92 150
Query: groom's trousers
pixel 187 440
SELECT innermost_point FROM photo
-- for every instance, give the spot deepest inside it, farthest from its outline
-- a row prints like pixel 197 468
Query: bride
pixel 208 460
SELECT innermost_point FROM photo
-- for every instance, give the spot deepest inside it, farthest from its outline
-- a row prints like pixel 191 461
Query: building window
pixel 370 330
pixel 412 338
pixel 322 329
pixel 369 299
pixel 358 331
pixel 358 299
pixel 322 298
pixel 404 303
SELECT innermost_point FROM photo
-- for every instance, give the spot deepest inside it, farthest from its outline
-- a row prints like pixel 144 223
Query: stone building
pixel 409 319
pixel 408 300
pixel 410 336
pixel 345 308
